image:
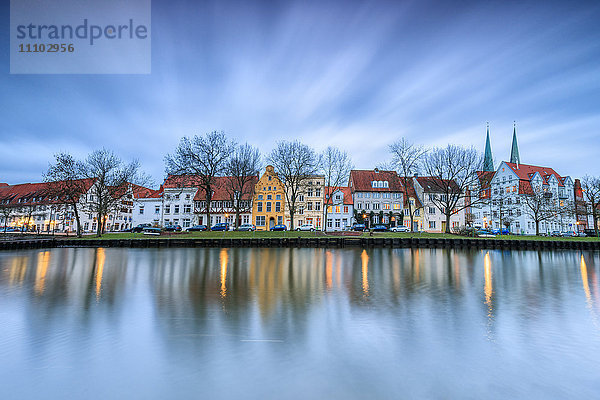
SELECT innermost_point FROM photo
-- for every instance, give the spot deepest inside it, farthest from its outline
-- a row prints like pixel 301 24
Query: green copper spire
pixel 488 161
pixel 514 151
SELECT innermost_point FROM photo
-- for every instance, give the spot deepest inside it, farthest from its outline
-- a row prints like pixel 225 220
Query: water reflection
pixel 272 318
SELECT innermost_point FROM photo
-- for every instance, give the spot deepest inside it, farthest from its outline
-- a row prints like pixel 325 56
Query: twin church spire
pixel 488 161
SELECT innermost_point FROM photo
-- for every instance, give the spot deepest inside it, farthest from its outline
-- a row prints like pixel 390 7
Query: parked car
pixel 124 230
pixel 279 227
pixel 221 226
pixel 380 228
pixel 306 227
pixel 555 233
pixel 399 228
pixel 173 228
pixel 503 231
pixel 141 227
pixel 151 231
pixel 246 227
pixel 359 227
pixel 485 233
pixel 197 228
pixel 569 234
pixel 589 232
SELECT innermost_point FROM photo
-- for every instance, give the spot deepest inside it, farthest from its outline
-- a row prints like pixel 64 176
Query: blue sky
pixel 355 74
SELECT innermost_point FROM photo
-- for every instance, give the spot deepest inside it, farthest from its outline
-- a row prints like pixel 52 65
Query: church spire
pixel 514 151
pixel 488 161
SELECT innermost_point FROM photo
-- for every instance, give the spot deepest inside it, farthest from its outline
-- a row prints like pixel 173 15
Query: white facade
pixel 506 201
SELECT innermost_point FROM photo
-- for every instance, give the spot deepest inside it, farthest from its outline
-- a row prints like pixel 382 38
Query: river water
pixel 299 324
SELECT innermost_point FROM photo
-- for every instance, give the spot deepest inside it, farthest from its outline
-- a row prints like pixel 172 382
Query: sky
pixel 353 74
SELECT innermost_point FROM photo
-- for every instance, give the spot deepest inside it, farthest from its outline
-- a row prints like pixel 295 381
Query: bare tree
pixel 7 210
pixel 539 205
pixel 205 157
pixel 591 195
pixel 406 160
pixel 112 183
pixel 335 165
pixel 242 169
pixel 295 163
pixel 66 182
pixel 453 175
pixel 501 207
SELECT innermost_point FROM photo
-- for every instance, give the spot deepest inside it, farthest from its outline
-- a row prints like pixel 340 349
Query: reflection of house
pixel 340 208
pixel 268 201
pixel 224 200
pixel 309 202
pixel 378 195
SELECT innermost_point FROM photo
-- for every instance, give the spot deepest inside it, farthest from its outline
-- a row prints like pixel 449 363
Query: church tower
pixel 514 151
pixel 488 161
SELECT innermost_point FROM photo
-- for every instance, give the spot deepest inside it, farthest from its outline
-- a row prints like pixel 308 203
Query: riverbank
pixel 310 239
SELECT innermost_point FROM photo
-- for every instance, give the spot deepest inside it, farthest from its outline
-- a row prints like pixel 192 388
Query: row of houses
pixel 371 197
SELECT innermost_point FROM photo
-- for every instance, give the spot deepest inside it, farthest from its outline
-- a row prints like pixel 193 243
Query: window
pixel 386 206
pixel 260 220
pixel 337 209
pixel 187 197
pixel 417 213
pixel 218 219
pixel 431 210
pixel 301 197
pixel 268 206
pixel 260 196
pixel 309 206
pixel 367 206
pixel 359 206
pixel 156 209
pixel 259 207
pixel 186 222
pixel 279 220
pixel 397 206
pixel 318 192
pixel 301 211
pixel 329 223
pixel 141 210
pixel 277 206
pixel 277 197
pixel 431 224
pixel 187 208
pixel 269 197
pixel 406 212
pixel 337 223
pixel 346 209
pixel 309 193
pixel 176 211
pixel 269 179
pixel 167 209
pixel 318 206
pixel 376 206
pixel 245 219
pixel 269 188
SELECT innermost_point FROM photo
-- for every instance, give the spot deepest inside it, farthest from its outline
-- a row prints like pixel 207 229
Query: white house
pixel 340 208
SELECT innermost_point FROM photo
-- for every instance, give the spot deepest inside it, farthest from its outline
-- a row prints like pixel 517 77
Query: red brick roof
pixel 3 184
pixel 361 181
pixel 140 192
pixel 181 181
pixel 526 172
pixel 345 190
pixel 31 193
pixel 432 184
pixel 410 192
pixel 221 192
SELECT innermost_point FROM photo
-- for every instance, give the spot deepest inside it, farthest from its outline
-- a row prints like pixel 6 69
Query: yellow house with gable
pixel 268 204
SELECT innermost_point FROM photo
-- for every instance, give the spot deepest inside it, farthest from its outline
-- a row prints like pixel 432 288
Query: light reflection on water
pixel 298 323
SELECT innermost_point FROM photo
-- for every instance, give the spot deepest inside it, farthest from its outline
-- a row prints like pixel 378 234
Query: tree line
pixel 452 172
